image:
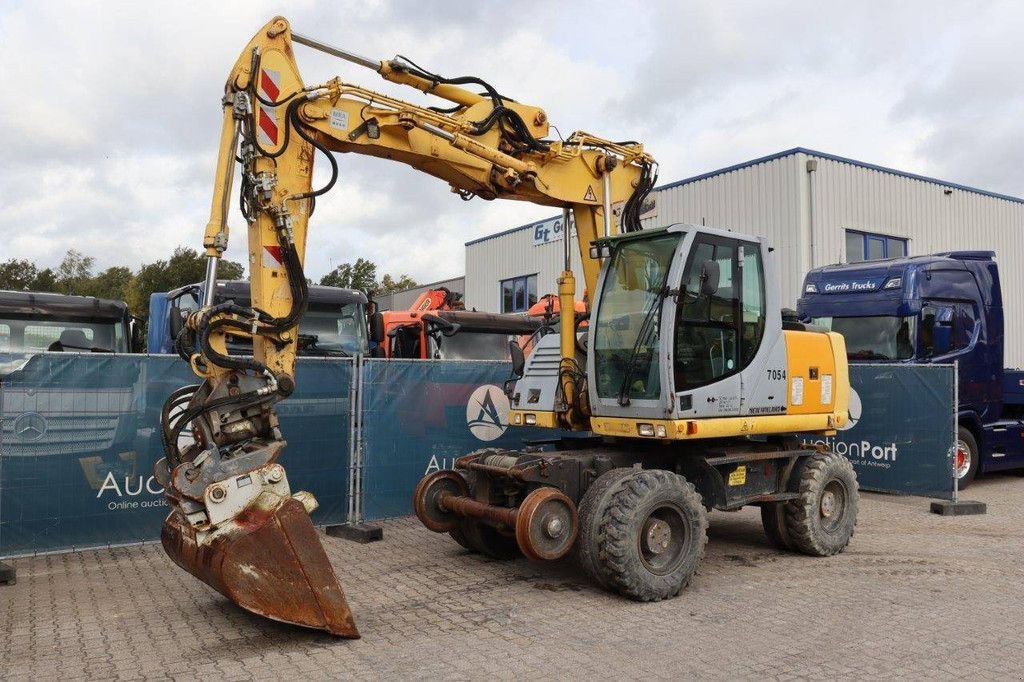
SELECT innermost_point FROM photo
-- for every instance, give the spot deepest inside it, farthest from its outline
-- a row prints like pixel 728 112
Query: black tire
pixel 965 439
pixel 591 514
pixel 773 518
pixel 822 520
pixel 487 540
pixel 659 507
pixel 459 536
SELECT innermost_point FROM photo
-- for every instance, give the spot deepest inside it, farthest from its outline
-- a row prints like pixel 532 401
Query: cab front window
pixel 629 319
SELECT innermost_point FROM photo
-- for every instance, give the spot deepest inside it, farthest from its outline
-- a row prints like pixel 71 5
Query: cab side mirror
pixel 377 333
pixel 135 328
pixel 518 359
pixel 176 320
pixel 709 278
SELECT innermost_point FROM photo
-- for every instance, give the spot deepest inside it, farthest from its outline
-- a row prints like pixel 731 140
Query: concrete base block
pixel 357 532
pixel 8 576
pixel 959 508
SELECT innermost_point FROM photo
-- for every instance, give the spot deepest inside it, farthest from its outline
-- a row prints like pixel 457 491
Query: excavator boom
pixel 235 523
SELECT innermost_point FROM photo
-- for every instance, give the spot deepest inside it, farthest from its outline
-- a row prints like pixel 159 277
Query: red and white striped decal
pixel 272 257
pixel 269 89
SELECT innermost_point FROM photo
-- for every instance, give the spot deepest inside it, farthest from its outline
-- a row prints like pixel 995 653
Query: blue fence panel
pixel 418 416
pixel 316 421
pixel 901 434
pixel 79 435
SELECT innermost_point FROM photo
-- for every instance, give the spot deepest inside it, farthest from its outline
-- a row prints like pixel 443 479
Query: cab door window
pixel 718 333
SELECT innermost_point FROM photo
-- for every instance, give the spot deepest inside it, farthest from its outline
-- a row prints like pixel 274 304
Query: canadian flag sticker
pixel 272 257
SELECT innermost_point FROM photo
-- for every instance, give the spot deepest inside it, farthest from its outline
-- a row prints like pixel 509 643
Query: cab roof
pixel 60 305
pixel 949 259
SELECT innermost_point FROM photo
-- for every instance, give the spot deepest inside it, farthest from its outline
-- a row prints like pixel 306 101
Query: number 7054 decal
pixel 776 374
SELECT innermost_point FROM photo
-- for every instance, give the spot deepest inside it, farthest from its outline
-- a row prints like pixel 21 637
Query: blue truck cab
pixel 940 308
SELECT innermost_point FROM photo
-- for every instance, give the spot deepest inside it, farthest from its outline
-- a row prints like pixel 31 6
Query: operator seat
pixel 74 339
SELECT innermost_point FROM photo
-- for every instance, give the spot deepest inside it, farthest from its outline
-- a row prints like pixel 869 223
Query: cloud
pixel 112 118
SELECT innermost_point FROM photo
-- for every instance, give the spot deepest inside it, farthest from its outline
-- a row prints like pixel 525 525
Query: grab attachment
pixel 254 542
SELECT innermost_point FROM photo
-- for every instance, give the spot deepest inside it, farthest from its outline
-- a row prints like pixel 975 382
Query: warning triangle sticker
pixel 272 257
pixel 589 196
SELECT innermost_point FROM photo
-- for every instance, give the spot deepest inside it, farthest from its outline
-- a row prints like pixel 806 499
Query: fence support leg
pixel 8 576
pixel 958 507
pixel 357 532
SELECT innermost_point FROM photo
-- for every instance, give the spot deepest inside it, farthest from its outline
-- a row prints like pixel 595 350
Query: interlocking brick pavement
pixel 916 596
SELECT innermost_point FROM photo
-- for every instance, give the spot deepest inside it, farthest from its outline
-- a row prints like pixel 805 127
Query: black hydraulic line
pixel 299 125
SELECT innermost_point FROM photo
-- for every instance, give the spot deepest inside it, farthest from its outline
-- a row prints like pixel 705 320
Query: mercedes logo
pixel 30 426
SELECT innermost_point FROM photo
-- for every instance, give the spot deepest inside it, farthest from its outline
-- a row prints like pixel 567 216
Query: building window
pixel 862 246
pixel 518 294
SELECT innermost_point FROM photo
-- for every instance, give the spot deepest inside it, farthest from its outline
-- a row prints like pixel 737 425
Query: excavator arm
pixel 235 523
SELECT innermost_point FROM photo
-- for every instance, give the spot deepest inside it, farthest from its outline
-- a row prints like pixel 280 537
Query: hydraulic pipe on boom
pixel 234 521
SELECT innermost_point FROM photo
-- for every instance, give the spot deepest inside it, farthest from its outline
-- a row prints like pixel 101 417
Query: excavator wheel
pixel 773 518
pixel 427 499
pixel 488 540
pixel 654 532
pixel 591 511
pixel 546 524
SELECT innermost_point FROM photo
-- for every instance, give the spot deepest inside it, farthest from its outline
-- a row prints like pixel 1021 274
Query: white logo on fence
pixel 487 412
pixel 855 410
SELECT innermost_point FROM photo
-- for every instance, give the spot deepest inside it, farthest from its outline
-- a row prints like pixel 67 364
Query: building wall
pixel 804 215
pixel 512 254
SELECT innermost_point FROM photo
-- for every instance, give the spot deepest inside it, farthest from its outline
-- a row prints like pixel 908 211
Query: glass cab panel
pixel 719 325
pixel 627 329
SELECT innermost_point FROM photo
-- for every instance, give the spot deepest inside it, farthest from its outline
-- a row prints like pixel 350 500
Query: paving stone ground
pixel 916 596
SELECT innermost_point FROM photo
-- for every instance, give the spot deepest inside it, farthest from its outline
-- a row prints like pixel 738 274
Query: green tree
pixel 17 275
pixel 185 266
pixel 359 275
pixel 112 283
pixel 45 280
pixel 388 285
pixel 74 274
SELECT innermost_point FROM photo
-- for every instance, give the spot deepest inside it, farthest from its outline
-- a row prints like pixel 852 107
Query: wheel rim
pixel 662 539
pixel 963 458
pixel 832 505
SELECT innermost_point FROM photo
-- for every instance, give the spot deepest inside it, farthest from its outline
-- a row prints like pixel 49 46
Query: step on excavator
pixel 689 385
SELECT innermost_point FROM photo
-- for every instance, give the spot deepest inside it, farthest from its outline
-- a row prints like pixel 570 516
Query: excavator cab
pixel 686 327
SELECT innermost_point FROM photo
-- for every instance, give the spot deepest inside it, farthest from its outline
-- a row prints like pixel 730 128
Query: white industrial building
pixel 815 208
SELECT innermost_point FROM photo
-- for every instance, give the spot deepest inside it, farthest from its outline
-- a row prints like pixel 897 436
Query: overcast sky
pixel 111 111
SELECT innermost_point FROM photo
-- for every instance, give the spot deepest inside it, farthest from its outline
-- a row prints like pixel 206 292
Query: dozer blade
pixel 267 559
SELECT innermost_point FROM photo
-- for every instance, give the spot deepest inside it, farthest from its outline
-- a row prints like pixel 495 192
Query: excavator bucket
pixel 267 559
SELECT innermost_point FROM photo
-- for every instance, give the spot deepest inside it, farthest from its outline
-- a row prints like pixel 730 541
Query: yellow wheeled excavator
pixel 687 382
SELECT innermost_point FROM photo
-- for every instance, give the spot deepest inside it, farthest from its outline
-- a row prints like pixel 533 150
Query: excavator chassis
pixel 543 504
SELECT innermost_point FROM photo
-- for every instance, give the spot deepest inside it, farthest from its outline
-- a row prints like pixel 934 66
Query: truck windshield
pixel 879 337
pixel 24 335
pixel 338 330
pixel 629 315
pixel 470 346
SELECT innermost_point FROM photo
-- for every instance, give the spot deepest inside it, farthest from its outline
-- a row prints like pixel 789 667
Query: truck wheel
pixel 773 518
pixel 654 530
pixel 821 521
pixel 967 457
pixel 591 513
